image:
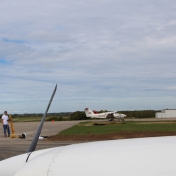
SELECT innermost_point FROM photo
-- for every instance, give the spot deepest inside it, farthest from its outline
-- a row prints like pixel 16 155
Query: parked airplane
pixel 129 157
pixel 106 115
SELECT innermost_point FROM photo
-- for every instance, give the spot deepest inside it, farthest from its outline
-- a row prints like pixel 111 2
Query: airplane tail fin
pixel 88 112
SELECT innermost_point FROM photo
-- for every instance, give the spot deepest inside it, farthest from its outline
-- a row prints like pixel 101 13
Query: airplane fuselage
pixel 103 115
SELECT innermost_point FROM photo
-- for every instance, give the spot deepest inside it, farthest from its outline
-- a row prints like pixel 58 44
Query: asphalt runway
pixel 15 146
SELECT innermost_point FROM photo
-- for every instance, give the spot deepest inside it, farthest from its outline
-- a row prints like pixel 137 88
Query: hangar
pixel 166 113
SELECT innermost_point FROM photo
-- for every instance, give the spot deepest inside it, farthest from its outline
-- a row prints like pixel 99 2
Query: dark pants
pixel 6 128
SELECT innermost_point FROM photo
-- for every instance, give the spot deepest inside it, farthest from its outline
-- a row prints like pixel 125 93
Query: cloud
pixel 13 41
pixel 109 54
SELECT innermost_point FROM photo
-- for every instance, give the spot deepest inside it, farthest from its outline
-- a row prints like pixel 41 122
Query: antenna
pixel 37 134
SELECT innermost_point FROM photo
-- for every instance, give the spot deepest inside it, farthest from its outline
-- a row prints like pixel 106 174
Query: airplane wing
pixel 153 156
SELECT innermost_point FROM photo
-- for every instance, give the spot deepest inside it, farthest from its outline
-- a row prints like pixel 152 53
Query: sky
pixel 108 54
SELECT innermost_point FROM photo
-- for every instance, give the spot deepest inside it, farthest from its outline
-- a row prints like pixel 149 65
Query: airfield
pixel 11 147
pixel 16 146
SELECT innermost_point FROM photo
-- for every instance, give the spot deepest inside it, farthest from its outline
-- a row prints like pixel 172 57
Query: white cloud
pixel 99 53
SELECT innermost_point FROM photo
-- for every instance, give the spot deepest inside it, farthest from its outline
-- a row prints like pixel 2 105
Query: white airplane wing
pixel 129 157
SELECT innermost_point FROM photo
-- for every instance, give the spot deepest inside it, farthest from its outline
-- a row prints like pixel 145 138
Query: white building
pixel 166 113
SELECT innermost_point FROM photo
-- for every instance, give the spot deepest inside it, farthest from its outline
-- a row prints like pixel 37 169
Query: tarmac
pixel 15 146
pixel 10 147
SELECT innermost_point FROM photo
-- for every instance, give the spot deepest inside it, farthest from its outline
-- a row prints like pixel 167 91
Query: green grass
pixel 80 129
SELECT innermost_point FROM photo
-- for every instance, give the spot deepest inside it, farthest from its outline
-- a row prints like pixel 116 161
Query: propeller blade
pixel 37 134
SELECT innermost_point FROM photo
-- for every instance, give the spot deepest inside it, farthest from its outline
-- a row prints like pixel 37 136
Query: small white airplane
pixel 106 115
pixel 154 156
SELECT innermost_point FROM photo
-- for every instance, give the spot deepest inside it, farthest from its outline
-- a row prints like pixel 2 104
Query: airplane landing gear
pixel 111 117
pixel 121 119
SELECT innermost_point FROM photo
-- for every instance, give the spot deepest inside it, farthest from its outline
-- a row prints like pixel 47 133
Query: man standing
pixel 5 120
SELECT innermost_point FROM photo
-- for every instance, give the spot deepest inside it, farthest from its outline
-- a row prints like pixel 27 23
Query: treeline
pixel 139 113
pixel 80 115
pixel 40 114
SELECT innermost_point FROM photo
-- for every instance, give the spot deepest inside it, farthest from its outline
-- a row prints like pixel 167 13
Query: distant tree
pixel 139 113
pixel 60 118
pixel 102 111
pixel 55 118
pixel 78 115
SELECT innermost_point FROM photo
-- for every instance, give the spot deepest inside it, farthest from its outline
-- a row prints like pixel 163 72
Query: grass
pixel 81 129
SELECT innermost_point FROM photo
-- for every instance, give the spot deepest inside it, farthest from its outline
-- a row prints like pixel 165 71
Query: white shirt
pixel 5 119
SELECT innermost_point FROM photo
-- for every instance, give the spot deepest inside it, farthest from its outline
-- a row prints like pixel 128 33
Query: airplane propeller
pixel 37 134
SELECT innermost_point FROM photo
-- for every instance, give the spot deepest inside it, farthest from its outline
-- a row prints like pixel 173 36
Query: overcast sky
pixel 104 54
